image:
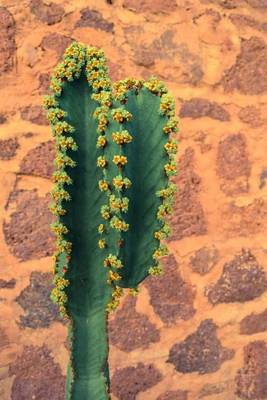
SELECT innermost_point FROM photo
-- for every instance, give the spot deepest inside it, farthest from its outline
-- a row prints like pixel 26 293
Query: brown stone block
pixel 200 352
pixel 242 279
pixel 130 330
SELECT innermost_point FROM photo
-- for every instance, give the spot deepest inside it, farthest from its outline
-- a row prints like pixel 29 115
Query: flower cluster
pixel 115 299
pixel 155 86
pixel 112 261
pixel 102 243
pixel 118 224
pixel 122 137
pixel 101 162
pixel 118 204
pixel 65 143
pixel 121 115
pixel 120 88
pixel 61 176
pixel 121 183
pixel 105 212
pixel 103 185
pixel 120 160
pixel 62 127
pixel 101 141
pixel 113 276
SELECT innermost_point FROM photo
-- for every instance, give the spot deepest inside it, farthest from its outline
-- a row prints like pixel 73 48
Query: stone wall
pixel 199 331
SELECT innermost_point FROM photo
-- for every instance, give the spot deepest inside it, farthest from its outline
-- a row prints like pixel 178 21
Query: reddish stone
pixel 245 20
pixel 48 13
pixel 153 6
pixel 212 388
pixel 232 157
pixel 36 303
pixel 254 323
pixel 4 341
pixel 127 383
pixel 233 165
pixel 116 71
pixel 263 177
pixel 7 40
pixel 8 148
pixel 34 114
pixel 200 352
pixel 249 74
pixel 171 297
pixel 244 220
pixel 94 19
pixel 251 382
pixel 130 330
pixel 56 42
pixel 39 161
pixel 28 233
pixel 188 218
pixel 173 395
pixel 257 3
pixel 198 107
pixel 44 82
pixel 242 279
pixel 7 284
pixel 251 115
pixel 3 118
pixel 228 4
pixel 204 260
pixel 37 376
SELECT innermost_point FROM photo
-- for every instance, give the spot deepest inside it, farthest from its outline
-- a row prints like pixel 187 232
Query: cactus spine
pixel 112 190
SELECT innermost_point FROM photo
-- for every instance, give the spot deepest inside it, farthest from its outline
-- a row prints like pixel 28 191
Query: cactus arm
pixel 80 289
pixel 150 163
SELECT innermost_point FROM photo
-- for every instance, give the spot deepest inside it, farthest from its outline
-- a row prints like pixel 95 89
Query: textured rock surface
pixel 35 301
pixel 37 376
pixel 204 260
pixel 210 304
pixel 171 297
pixel 242 279
pixel 197 108
pixel 189 218
pixel 127 383
pixel 254 323
pixel 56 42
pixel 48 13
pixel 248 74
pixel 27 233
pixel 7 40
pixel 131 330
pixel 251 378
pixel 173 395
pixel 8 148
pixel 94 19
pixel 34 114
pixel 200 352
pixel 39 161
pixel 233 166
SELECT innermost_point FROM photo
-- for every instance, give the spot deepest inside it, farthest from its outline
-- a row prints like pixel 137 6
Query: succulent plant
pixel 112 192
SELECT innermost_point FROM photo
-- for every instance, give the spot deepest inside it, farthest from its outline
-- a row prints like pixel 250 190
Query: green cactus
pixel 112 191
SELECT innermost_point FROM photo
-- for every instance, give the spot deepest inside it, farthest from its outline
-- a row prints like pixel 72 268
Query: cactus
pixel 112 191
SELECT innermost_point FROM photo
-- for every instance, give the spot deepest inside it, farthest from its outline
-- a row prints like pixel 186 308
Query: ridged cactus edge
pixel 116 121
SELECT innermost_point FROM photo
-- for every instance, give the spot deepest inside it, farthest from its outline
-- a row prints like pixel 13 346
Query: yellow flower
pixel 101 141
pixel 119 160
pixel 103 185
pixel 113 276
pixel 101 162
pixel 101 228
pixel 102 243
pixel 121 137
